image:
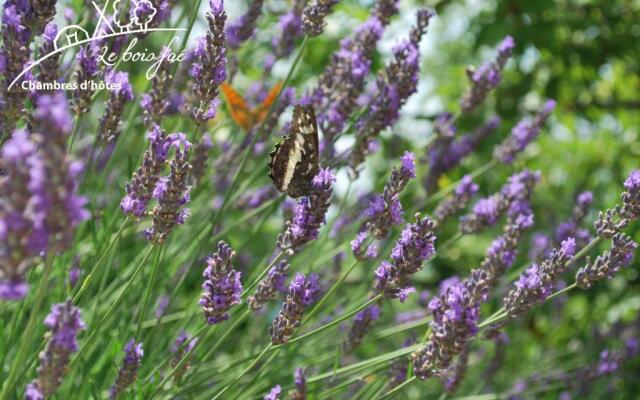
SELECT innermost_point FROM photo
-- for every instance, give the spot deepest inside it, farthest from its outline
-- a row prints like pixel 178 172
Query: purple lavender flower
pixel 268 288
pixel 162 304
pixel 343 80
pixel 74 275
pixel 395 84
pixel 14 55
pixel 120 91
pixel 290 25
pixel 209 65
pixel 513 194
pixel 457 201
pixel 536 283
pixel 607 264
pixel 48 70
pixel 523 134
pixel 242 30
pixel 361 325
pixel 314 14
pixel 222 286
pixel 416 245
pixel 274 393
pixel 487 77
pixel 455 320
pixel 309 214
pixel 359 251
pixel 181 348
pixel 302 292
pixel 87 60
pixel 128 372
pixel 300 380
pixel 631 197
pixel 607 364
pixel 64 322
pixel 201 155
pixel 144 180
pixel 172 194
pixel 446 152
pixel 385 211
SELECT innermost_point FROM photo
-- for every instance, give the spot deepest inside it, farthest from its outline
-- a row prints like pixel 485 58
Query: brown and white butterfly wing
pixel 294 162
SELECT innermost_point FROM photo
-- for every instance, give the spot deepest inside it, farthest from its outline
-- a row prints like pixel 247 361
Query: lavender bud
pixel 274 393
pixel 385 211
pixel 201 155
pixel 129 370
pixel 172 194
pixel 457 201
pixel 631 197
pixel 269 287
pixel 487 77
pixel 309 214
pixel 523 134
pixel 314 14
pixel 145 178
pixel 209 65
pixel 416 245
pixel 359 251
pixel 156 103
pixel 48 70
pixel 222 286
pixel 241 30
pixel 64 322
pixel 300 380
pixel 536 283
pixel 183 345
pixel 162 304
pixel 361 325
pixel 607 264
pixel 41 12
pixel 87 60
pixel 121 92
pixel 302 292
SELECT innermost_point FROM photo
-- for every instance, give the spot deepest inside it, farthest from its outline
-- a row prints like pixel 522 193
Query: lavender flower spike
pixel 291 26
pixel 522 134
pixel 395 84
pixel 209 65
pixel 182 346
pixel 416 245
pixel 536 283
pixel 314 14
pixel 120 91
pixel 172 194
pixel 457 201
pixel 385 211
pixel 487 77
pixel 267 289
pixel 309 214
pixel 128 372
pixel 140 189
pixel 222 286
pixel 302 292
pixel 241 30
pixel 606 265
pixel 64 322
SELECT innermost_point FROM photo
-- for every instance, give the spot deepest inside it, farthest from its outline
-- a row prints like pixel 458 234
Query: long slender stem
pixel 147 293
pixel 244 372
pixel 18 361
pixel 330 292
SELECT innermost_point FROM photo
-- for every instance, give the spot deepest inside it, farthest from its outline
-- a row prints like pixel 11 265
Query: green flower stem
pixel 396 390
pixel 18 361
pixel 336 321
pixel 255 282
pixel 87 280
pixel 112 308
pixel 150 286
pixel 244 372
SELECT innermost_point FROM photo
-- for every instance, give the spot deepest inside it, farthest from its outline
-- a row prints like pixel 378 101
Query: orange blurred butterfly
pixel 246 117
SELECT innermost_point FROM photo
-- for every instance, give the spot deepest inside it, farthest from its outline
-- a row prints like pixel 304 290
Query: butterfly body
pixel 243 115
pixel 294 162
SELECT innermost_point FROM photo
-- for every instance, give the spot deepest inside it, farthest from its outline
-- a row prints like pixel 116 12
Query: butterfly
pixel 294 162
pixel 246 117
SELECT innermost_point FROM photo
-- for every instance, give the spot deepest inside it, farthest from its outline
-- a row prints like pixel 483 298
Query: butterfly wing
pixel 238 108
pixel 294 162
pixel 260 112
